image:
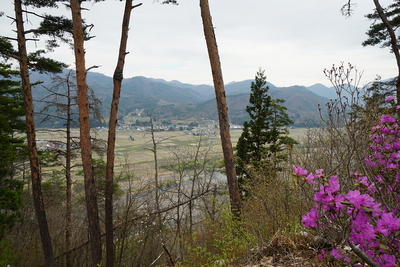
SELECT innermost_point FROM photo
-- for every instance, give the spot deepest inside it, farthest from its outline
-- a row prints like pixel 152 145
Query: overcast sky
pixel 292 40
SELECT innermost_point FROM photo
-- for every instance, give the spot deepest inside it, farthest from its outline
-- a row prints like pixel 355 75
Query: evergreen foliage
pixel 36 60
pixel 12 147
pixel 265 134
pixel 378 34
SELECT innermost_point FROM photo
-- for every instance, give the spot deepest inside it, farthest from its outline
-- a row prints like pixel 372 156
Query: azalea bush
pixel 365 219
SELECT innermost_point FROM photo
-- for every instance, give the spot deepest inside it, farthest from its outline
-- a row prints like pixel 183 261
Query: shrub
pixel 366 216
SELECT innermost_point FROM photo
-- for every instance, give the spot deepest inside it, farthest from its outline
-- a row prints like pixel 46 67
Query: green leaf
pixel 346 203
pixel 366 209
pixel 383 246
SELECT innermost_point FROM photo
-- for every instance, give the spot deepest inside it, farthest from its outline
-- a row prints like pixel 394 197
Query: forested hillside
pixel 176 101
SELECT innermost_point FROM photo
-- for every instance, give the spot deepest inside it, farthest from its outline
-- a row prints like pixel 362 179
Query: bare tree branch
pixel 33 13
pixel 347 9
pixel 134 219
pixel 92 67
pixel 363 256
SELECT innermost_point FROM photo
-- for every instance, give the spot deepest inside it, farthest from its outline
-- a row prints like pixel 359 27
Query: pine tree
pixel 213 54
pixel 12 147
pixel 265 134
pixel 34 61
pixel 384 31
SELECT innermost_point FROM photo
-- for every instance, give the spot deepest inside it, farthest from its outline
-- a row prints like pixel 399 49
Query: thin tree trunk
pixel 31 139
pixel 236 205
pixel 156 178
pixel 393 43
pixel 196 175
pixel 117 79
pixel 68 227
pixel 85 140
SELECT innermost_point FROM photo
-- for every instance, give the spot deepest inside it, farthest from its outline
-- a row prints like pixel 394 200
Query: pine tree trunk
pixel 222 107
pixel 85 139
pixel 31 139
pixel 117 79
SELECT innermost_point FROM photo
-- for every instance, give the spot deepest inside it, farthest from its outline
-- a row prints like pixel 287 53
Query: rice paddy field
pixel 134 149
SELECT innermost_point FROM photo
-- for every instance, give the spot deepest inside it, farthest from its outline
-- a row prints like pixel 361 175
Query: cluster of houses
pixel 158 128
pixel 191 129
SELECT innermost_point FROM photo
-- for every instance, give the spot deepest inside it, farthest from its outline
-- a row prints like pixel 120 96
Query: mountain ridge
pixel 179 101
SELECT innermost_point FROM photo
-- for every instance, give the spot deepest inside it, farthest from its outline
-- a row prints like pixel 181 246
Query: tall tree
pixel 59 107
pixel 31 138
pixel 85 139
pixel 12 147
pixel 33 61
pixel 117 80
pixel 264 135
pixel 222 107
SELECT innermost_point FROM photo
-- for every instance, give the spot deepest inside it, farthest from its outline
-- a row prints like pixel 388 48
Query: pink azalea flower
pixel 389 260
pixel 388 223
pixel 322 254
pixel 389 98
pixel 358 239
pixel 319 173
pixel 379 179
pixel 336 253
pixel 310 178
pixel 387 119
pixel 338 202
pixel 334 185
pixel 371 254
pixel 367 230
pixel 371 188
pixel 298 171
pixel 396 145
pixel 392 166
pixel 363 181
pixel 311 218
pixel 357 199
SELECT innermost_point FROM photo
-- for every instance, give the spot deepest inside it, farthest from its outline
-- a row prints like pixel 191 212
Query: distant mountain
pixel 176 100
pixel 207 91
pixel 203 89
pixel 322 90
pixel 234 88
pixel 137 92
pixel 143 87
pixel 236 108
pixel 330 92
pixel 301 103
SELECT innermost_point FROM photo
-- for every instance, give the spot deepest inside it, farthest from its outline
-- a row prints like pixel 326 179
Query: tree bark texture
pixel 85 139
pixel 236 205
pixel 393 42
pixel 117 80
pixel 31 139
